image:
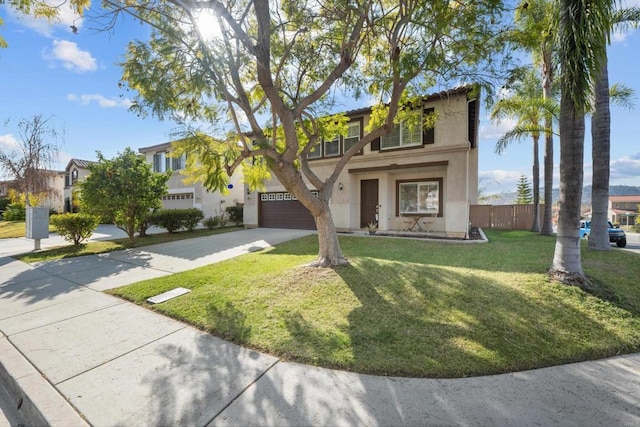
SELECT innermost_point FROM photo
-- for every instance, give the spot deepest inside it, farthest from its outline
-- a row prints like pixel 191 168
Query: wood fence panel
pixel 480 216
pixel 523 217
pixel 503 217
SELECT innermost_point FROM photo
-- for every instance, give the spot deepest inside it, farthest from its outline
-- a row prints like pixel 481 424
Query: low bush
pixel 173 220
pixel 75 227
pixel 236 214
pixel 192 218
pixel 14 212
pixel 211 222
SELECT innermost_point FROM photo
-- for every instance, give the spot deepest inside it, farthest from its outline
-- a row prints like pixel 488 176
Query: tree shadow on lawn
pixel 433 322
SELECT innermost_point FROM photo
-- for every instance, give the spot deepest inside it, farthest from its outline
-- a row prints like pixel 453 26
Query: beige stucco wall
pixel 450 145
pixel 211 203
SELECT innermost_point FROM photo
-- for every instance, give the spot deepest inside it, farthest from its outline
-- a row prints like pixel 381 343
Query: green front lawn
pixel 104 246
pixel 10 229
pixel 413 307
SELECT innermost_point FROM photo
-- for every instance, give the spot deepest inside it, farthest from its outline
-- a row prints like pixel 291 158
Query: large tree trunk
pixel 536 186
pixel 547 223
pixel 567 263
pixel 329 254
pixel 600 149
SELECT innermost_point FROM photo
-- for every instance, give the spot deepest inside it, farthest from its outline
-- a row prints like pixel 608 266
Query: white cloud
pixel 626 167
pixel 72 57
pixel 102 101
pixel 8 142
pixel 493 130
pixel 66 17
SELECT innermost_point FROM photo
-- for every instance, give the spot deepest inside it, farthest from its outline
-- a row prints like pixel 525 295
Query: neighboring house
pixel 194 195
pixel 623 209
pixel 403 175
pixel 76 171
pixel 55 184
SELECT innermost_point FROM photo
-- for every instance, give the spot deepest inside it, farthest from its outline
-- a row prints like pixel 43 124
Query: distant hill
pixel 614 190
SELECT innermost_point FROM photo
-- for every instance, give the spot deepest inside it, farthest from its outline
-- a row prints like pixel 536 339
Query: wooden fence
pixel 504 217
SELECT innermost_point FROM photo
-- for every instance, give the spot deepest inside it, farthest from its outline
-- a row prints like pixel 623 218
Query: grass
pixel 10 229
pixel 412 307
pixel 101 247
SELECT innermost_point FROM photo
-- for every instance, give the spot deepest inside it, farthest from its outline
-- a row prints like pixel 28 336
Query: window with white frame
pixel 402 135
pixel 332 147
pixel 419 197
pixel 315 153
pixel 161 162
pixel 179 163
pixel 353 135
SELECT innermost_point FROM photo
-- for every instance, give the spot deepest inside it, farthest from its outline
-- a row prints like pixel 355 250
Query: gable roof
pixel 80 163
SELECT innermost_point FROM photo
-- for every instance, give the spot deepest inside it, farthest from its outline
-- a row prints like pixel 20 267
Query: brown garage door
pixel 282 210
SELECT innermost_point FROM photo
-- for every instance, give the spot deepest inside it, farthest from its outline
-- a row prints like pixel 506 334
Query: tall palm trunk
pixel 536 185
pixel 567 263
pixel 547 80
pixel 600 149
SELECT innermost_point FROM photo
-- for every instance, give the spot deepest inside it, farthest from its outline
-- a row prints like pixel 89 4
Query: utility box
pixel 37 223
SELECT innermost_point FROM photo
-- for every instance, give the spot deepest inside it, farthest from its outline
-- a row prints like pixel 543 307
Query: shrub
pixel 75 227
pixel 173 220
pixel 235 214
pixel 211 222
pixel 15 212
pixel 222 219
pixel 169 219
pixel 191 218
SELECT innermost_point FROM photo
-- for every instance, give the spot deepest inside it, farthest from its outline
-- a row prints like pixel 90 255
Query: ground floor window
pixel 420 197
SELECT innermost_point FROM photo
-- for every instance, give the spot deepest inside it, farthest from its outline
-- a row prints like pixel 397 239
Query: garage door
pixel 282 210
pixel 177 201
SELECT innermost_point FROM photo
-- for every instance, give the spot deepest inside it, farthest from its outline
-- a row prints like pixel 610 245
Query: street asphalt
pixel 71 355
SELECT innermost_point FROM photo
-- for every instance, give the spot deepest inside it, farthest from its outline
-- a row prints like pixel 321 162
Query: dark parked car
pixel 616 235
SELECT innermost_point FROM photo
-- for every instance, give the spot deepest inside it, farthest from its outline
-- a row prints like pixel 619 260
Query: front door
pixel 368 202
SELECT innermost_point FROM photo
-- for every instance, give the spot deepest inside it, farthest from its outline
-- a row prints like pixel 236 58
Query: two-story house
pixel 181 195
pixel 623 209
pixel 405 174
pixel 76 171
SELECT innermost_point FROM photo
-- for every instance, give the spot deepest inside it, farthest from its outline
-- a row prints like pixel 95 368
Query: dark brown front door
pixel 368 201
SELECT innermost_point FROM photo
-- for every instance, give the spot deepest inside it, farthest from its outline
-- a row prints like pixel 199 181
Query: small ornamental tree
pixel 524 191
pixel 123 189
pixel 75 227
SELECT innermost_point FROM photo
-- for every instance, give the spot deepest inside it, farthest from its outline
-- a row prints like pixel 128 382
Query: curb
pixel 38 401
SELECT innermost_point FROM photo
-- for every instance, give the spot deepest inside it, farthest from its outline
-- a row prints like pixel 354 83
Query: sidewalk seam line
pixel 121 355
pixel 242 391
pixel 63 320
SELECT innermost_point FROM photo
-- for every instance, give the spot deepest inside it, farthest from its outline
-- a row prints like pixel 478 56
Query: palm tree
pixel 525 103
pixel 601 143
pixel 537 28
pixel 583 36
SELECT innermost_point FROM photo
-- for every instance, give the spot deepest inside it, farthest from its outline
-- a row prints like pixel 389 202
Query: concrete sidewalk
pixel 77 356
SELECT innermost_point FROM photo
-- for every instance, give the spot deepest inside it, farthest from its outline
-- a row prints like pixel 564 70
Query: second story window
pixel 402 136
pixel 74 176
pixel 179 163
pixel 316 152
pixel 332 148
pixel 353 135
pixel 161 163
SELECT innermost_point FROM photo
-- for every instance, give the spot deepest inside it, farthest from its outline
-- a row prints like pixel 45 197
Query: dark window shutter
pixel 429 135
pixel 472 113
pixel 375 144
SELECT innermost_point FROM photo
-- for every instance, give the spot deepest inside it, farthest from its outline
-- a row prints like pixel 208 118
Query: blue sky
pixel 49 70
